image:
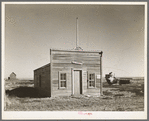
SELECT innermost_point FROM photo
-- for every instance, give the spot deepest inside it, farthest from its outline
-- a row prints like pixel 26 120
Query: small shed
pixel 70 72
pixel 12 76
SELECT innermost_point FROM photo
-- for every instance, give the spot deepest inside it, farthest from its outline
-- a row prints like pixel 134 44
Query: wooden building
pixel 12 76
pixel 70 72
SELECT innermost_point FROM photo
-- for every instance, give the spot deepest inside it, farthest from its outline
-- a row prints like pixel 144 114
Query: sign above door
pixel 75 62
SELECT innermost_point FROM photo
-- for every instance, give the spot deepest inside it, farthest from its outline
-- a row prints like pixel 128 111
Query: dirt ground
pixel 21 96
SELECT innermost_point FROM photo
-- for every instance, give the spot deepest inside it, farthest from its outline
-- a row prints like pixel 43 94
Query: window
pixel 91 80
pixel 62 80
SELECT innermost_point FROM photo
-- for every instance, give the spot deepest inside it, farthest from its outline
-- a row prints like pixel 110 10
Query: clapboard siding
pixel 62 61
pixel 63 93
pixel 43 73
pixel 72 65
pixel 66 61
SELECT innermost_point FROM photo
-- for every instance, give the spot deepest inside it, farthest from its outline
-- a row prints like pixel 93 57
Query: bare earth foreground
pixel 21 96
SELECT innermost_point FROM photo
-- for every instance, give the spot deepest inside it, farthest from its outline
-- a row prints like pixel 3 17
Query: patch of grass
pixel 75 104
pixel 119 95
pixel 134 87
pixel 107 93
pixel 138 90
pixel 116 98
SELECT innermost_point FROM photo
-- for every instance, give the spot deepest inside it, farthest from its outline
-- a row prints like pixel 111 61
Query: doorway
pixel 77 82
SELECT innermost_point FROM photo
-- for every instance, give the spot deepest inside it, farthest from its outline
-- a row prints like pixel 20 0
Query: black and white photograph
pixel 74 60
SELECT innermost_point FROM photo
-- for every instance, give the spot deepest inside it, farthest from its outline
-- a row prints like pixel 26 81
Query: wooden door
pixel 77 83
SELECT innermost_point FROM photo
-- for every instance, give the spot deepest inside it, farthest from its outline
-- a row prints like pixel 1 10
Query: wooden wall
pixel 12 76
pixel 43 74
pixel 62 61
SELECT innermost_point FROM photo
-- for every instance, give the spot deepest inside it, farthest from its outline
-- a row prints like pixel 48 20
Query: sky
pixel 32 29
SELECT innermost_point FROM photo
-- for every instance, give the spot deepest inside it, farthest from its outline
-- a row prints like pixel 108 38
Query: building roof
pixel 13 73
pixel 77 50
pixel 42 66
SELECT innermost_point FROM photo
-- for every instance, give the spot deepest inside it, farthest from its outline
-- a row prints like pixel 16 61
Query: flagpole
pixel 76 32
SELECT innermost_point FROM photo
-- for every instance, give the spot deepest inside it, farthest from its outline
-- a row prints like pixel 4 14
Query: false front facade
pixel 70 72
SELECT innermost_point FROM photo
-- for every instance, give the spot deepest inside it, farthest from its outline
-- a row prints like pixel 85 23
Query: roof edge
pixel 43 66
pixel 82 51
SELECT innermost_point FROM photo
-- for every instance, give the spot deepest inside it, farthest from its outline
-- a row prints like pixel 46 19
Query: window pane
pixel 91 83
pixel 63 83
pixel 63 76
pixel 91 76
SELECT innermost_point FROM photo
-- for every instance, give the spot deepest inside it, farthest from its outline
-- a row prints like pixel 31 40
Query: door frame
pixel 72 78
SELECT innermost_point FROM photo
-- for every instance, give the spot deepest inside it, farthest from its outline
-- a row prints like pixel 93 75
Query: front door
pixel 77 82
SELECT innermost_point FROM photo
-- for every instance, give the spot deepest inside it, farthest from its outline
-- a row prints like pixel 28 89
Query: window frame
pixel 88 80
pixel 59 80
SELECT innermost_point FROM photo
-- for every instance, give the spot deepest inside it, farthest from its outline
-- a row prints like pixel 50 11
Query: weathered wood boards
pixel 42 79
pixel 70 72
pixel 86 61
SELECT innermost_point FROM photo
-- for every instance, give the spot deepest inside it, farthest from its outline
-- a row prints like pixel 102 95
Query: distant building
pixel 12 76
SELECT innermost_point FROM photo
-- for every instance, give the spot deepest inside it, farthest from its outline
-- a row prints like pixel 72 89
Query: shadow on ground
pixel 25 92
